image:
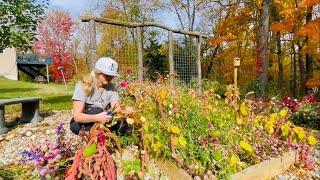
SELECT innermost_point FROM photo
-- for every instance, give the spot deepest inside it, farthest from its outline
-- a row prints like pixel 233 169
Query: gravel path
pixel 19 138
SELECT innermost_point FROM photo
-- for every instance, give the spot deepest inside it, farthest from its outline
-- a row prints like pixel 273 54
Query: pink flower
pixel 101 138
pixel 129 71
pixel 43 172
pixel 124 84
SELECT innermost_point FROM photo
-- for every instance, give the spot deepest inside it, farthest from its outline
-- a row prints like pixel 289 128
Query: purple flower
pixel 60 129
pixel 31 156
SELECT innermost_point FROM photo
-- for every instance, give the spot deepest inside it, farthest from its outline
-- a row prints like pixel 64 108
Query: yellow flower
pixel 299 132
pixel 258 118
pixel 270 130
pixel 285 130
pixel 130 120
pixel 246 146
pixel 143 119
pixel 162 94
pixel 244 109
pixel 239 120
pixel 182 141
pixel 273 117
pixel 175 129
pixel 283 112
pixel 312 140
pixel 157 146
pixel 233 160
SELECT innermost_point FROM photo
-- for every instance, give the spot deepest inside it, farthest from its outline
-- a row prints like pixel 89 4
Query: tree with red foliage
pixel 54 39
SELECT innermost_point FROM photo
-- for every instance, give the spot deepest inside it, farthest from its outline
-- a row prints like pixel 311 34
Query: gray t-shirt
pixel 97 99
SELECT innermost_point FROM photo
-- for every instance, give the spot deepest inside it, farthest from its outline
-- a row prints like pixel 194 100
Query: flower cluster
pixel 60 129
pixel 288 102
pixel 46 157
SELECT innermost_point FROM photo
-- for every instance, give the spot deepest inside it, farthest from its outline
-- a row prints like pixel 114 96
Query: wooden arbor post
pixel 171 63
pixel 140 58
pixel 93 43
pixel 199 78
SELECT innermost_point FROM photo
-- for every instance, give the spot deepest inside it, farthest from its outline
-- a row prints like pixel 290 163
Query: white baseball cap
pixel 107 66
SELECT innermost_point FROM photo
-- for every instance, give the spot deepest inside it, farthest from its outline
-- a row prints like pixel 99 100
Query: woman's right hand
pixel 103 118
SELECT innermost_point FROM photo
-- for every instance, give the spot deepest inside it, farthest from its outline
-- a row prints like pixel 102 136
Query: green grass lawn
pixel 54 96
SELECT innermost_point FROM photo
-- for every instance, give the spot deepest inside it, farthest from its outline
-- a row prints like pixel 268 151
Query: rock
pixel 18 158
pixel 48 132
pixel 28 133
pixel 53 131
pixel 10 137
pixel 1 138
pixel 22 131
pixel 33 137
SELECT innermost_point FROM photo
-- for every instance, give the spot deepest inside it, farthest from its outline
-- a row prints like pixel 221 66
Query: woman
pixel 93 95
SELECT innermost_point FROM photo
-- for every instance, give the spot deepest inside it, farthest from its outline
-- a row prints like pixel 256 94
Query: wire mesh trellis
pixel 129 44
pixel 184 58
pixel 120 43
pixel 155 50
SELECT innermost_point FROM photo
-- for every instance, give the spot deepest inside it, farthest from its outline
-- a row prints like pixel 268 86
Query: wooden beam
pixel 134 25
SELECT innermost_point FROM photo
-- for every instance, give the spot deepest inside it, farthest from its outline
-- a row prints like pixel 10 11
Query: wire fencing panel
pixel 120 43
pixel 184 58
pixel 155 55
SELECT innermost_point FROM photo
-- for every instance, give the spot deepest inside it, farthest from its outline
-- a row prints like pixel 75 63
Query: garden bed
pixel 205 136
pixel 270 168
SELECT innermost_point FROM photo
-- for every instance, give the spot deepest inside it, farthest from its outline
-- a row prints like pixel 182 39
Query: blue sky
pixel 74 7
pixel 77 7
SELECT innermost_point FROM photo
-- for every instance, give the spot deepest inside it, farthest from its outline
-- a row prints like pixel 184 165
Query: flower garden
pixel 181 120
pixel 209 136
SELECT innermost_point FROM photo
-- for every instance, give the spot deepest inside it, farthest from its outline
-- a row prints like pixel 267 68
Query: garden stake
pixel 236 63
pixel 60 68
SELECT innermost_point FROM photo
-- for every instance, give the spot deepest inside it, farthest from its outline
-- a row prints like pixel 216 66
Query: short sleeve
pixel 112 92
pixel 79 94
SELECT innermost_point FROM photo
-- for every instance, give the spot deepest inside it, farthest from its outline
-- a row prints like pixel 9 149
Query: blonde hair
pixel 89 80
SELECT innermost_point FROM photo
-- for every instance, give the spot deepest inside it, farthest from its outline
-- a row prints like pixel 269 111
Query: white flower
pixel 143 119
pixel 170 112
pixel 170 106
pixel 130 120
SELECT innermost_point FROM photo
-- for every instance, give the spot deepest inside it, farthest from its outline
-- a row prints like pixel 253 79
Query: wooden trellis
pixel 138 26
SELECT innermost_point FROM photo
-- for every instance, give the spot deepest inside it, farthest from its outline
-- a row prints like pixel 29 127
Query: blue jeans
pixel 76 127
